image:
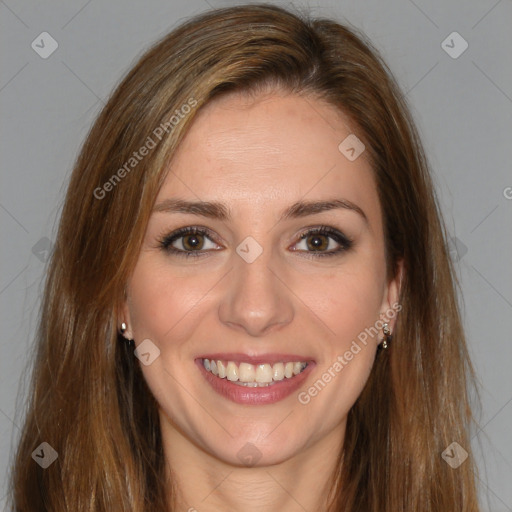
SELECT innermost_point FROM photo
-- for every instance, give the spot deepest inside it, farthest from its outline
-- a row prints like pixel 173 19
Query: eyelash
pixel 165 243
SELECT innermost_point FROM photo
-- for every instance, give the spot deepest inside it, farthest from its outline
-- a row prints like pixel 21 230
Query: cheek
pixel 164 302
pixel 157 300
pixel 348 305
pixel 347 302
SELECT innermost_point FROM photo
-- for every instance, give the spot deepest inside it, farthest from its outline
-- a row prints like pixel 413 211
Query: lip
pixel 256 396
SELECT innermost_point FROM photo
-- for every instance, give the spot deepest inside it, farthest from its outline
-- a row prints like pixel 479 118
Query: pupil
pixel 192 242
pixel 317 243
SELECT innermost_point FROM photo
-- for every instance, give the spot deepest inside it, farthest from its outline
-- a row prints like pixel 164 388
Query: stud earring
pixel 387 336
pixel 122 330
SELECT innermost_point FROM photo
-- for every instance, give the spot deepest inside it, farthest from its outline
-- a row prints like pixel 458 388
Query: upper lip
pixel 257 359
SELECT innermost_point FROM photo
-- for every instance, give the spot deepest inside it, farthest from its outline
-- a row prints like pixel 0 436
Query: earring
pixel 387 336
pixel 129 343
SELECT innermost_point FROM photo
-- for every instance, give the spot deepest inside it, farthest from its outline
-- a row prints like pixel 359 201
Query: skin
pixel 258 155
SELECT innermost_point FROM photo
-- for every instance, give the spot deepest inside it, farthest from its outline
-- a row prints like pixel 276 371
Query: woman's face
pixel 247 288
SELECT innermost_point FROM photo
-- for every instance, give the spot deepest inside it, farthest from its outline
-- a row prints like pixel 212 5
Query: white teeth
pixel 250 375
pixel 246 372
pixel 263 373
pixel 297 368
pixel 278 371
pixel 221 369
pixel 232 371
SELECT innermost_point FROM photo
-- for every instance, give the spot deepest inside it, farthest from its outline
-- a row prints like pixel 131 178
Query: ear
pixel 390 302
pixel 123 316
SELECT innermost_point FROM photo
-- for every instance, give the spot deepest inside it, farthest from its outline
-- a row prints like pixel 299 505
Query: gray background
pixel 463 107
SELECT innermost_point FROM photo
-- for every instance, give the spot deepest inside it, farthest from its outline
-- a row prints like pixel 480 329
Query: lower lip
pixel 255 396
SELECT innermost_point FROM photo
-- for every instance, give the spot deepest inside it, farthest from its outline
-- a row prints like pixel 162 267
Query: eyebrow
pixel 215 210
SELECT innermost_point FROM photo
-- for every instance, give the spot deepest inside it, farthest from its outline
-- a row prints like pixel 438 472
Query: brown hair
pixel 88 398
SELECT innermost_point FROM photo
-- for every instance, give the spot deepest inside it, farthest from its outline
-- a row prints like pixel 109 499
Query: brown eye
pixel 324 241
pixel 317 242
pixel 192 242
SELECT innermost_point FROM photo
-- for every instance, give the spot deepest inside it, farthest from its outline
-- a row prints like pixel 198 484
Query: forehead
pixel 266 151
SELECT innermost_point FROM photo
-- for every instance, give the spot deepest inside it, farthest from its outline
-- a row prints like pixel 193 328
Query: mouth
pixel 255 381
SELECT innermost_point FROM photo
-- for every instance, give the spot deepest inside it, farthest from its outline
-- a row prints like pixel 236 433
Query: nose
pixel 257 299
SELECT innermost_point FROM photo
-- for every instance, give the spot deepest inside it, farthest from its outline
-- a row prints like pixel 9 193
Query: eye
pixel 193 241
pixel 323 241
pixel 190 241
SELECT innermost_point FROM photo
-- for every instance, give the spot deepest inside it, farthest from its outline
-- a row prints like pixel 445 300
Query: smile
pixel 256 382
pixel 250 375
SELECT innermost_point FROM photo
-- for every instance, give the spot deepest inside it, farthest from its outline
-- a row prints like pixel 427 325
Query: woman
pixel 250 305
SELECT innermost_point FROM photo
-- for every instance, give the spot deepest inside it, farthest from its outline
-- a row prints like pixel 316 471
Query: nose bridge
pixel 256 301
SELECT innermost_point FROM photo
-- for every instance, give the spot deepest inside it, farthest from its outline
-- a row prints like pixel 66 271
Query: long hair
pixel 88 399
